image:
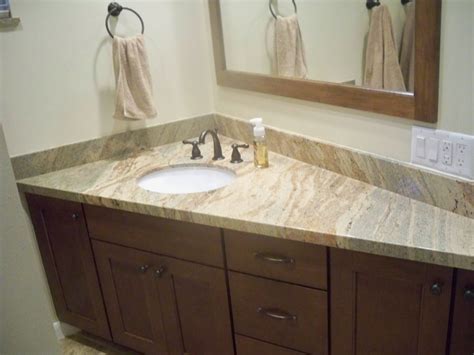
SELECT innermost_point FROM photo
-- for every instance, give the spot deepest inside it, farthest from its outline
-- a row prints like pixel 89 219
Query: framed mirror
pixel 374 55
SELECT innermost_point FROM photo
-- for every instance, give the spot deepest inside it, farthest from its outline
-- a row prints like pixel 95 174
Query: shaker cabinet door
pixel 161 305
pixel 68 261
pixel 385 306
pixel 462 334
pixel 198 316
pixel 133 305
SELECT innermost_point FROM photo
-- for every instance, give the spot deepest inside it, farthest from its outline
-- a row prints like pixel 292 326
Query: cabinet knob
pixel 437 289
pixel 469 294
pixel 144 268
pixel 160 271
pixel 75 216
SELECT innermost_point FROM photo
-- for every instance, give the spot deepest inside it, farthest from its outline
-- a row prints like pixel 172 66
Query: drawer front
pixel 248 346
pixel 288 315
pixel 167 237
pixel 286 260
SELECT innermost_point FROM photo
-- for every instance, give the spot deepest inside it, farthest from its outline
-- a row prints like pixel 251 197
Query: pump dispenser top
pixel 258 129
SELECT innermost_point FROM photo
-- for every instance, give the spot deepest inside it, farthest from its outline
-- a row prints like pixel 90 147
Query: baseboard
pixel 63 330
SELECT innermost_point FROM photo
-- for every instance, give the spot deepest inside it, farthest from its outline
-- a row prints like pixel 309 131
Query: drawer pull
pixel 276 313
pixel 273 258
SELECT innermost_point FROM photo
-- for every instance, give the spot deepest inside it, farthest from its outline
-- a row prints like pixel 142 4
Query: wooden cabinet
pixel 182 240
pixel 385 306
pixel 164 288
pixel 279 259
pixel 161 305
pixel 249 346
pixel 68 261
pixel 462 334
pixel 288 315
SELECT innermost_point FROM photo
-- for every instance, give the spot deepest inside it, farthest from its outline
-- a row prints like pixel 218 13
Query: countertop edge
pixel 334 241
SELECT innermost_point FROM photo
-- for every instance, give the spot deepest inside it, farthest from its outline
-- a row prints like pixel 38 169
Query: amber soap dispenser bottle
pixel 260 149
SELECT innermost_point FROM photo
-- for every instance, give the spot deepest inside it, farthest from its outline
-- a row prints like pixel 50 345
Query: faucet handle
pixel 196 153
pixel 236 157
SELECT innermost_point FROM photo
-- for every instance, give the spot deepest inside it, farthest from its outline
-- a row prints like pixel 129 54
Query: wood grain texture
pixel 307 333
pixel 68 262
pixel 163 236
pixel 198 311
pixel 308 266
pixel 134 310
pixel 422 105
pixel 184 309
pixel 462 333
pixel 427 57
pixel 249 346
pixel 384 306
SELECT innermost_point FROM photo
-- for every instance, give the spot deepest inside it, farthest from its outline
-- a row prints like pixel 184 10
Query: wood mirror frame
pixel 422 105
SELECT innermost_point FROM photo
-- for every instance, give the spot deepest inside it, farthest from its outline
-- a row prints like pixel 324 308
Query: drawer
pixel 287 315
pixel 248 346
pixel 182 240
pixel 285 260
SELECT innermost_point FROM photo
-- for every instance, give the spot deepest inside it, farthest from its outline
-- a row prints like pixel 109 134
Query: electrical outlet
pixel 447 159
pixel 447 148
pixel 445 151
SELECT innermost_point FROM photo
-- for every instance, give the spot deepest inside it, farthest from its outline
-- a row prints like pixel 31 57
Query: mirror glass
pixel 337 41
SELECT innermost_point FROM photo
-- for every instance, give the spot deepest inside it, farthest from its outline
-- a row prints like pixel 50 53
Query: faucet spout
pixel 217 143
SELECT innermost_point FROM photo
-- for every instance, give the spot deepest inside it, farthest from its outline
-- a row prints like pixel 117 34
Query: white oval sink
pixel 186 179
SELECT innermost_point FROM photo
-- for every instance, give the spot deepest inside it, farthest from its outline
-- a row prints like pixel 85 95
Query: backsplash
pixel 455 195
pixel 103 148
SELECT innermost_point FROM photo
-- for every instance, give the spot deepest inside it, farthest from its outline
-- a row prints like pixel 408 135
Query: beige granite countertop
pixel 291 200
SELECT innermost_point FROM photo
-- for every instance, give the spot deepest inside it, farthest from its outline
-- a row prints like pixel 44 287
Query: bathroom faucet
pixel 217 144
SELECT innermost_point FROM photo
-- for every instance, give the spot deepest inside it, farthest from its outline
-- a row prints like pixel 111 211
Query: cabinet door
pixel 133 305
pixel 198 318
pixel 68 261
pixel 385 306
pixel 462 335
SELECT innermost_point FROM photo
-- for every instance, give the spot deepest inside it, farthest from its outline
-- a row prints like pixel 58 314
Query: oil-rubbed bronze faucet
pixel 217 143
pixel 196 154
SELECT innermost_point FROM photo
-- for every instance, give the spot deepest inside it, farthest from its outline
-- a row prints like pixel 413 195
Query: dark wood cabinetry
pixel 385 306
pixel 288 315
pixel 161 305
pixel 68 261
pixel 249 346
pixel 163 287
pixel 462 335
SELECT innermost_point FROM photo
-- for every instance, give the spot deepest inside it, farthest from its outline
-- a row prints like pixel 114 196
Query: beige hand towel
pixel 382 69
pixel 407 53
pixel 134 96
pixel 289 48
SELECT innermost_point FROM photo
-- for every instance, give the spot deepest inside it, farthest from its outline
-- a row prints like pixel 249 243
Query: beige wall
pixel 374 133
pixel 68 94
pixel 26 315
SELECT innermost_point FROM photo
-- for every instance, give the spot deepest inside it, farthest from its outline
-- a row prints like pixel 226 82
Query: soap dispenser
pixel 260 149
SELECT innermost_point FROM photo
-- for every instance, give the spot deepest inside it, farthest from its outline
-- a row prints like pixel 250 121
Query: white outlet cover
pixel 454 152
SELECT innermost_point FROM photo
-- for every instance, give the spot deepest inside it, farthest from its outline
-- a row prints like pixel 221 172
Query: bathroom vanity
pixel 162 286
pixel 293 259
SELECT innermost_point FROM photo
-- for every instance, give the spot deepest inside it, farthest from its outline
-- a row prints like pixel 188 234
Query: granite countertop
pixel 290 199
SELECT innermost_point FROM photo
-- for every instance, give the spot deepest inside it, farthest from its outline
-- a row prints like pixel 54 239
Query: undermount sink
pixel 186 179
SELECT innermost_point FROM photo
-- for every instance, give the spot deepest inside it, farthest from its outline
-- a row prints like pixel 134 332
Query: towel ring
pixel 273 12
pixel 372 3
pixel 114 9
